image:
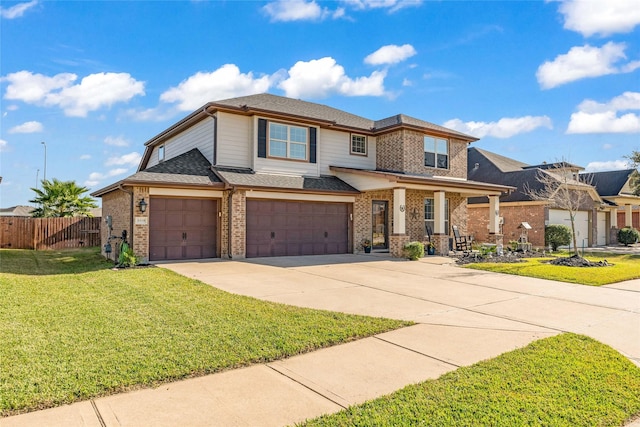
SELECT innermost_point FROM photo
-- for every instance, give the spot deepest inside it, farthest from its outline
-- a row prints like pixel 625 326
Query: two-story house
pixel 265 175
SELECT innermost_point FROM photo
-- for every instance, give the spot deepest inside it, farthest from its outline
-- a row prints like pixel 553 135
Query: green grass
pixel 626 267
pixel 72 329
pixel 566 380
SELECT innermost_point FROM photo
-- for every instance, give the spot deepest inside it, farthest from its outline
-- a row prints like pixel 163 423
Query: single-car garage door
pixel 286 228
pixel 581 222
pixel 182 228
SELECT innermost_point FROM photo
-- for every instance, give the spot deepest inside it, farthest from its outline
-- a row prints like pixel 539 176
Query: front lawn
pixel 626 267
pixel 73 329
pixel 567 380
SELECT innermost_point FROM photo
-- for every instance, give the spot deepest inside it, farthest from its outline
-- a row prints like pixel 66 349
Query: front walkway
pixel 463 316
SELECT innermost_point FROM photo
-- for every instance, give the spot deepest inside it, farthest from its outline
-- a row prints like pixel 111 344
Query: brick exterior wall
pixel 534 214
pixel 414 221
pixel 238 224
pixel 117 204
pixel 403 151
pixel 140 238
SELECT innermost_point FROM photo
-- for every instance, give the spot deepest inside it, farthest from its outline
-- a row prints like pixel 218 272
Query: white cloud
pixel 607 146
pixel 603 17
pixel 503 128
pixel 27 127
pixel 583 62
pixel 3 145
pixel 85 157
pixel 392 5
pixel 390 54
pixel 607 166
pixel 131 159
pixel 116 141
pixel 319 78
pixel 596 117
pixel 225 82
pixel 18 10
pixel 92 93
pixel 406 82
pixel 294 10
pixel 96 177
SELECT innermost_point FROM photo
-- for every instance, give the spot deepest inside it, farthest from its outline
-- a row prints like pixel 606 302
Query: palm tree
pixel 61 199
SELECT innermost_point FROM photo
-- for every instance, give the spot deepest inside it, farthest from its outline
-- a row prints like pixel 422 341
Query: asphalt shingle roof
pixel 188 168
pixel 249 178
pixel 608 183
pixel 280 104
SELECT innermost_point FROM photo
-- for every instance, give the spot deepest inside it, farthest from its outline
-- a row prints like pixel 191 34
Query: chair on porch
pixel 462 243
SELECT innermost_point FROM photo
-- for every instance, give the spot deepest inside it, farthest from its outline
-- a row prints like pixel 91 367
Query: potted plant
pixel 366 245
pixel 430 248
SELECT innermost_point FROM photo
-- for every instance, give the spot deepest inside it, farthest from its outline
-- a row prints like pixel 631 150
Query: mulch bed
pixel 507 257
pixel 578 261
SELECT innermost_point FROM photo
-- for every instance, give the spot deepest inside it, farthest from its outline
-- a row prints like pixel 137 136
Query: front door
pixel 379 220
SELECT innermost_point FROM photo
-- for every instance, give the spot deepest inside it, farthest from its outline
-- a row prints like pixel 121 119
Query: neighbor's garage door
pixel 285 228
pixel 557 216
pixel 182 228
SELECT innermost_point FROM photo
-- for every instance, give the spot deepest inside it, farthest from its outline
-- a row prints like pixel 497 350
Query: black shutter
pixel 262 138
pixel 312 145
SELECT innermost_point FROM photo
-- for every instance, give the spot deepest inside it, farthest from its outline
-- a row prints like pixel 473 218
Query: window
pixel 359 144
pixel 287 141
pixel 430 217
pixel 161 153
pixel 436 152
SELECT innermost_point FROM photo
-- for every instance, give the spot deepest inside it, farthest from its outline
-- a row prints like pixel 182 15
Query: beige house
pixel 265 175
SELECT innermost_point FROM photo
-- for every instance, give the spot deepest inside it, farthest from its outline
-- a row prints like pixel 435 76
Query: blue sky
pixel 535 80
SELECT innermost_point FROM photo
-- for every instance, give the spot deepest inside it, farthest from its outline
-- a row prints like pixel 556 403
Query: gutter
pixel 230 221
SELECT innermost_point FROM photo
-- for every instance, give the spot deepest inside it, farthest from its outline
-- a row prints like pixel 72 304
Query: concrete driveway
pixel 463 316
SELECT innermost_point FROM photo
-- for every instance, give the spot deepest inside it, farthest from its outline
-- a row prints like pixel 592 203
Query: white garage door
pixel 602 229
pixel 557 216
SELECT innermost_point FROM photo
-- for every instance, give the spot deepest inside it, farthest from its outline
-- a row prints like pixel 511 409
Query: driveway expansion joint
pixel 98 414
pixel 416 351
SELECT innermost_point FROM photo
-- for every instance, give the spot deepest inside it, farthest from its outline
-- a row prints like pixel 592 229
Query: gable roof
pixel 485 166
pixel 609 183
pixel 20 210
pixel 188 169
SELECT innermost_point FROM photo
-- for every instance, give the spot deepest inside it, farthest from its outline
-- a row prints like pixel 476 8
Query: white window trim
pixel 366 145
pixel 435 152
pixel 288 142
pixel 447 215
pixel 161 153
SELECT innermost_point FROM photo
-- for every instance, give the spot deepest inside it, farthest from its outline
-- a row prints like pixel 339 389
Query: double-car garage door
pixel 287 228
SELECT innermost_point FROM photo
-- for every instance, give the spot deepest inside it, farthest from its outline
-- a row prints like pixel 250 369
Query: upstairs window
pixel 359 144
pixel 289 142
pixel 436 152
pixel 161 153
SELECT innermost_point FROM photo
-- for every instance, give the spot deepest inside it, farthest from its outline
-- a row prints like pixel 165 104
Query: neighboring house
pixel 265 175
pixel 592 221
pixel 614 187
pixel 19 210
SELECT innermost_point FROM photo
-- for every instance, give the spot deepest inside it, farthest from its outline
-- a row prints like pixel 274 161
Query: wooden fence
pixel 49 233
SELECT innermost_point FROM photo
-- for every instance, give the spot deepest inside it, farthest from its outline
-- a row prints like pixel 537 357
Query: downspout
pixel 131 211
pixel 215 135
pixel 232 191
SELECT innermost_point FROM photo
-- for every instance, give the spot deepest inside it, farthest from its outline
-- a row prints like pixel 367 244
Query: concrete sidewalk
pixel 463 316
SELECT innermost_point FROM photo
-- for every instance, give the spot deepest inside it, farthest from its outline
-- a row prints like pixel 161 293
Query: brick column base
pixel 497 239
pixel 396 245
pixel 441 241
pixel 613 236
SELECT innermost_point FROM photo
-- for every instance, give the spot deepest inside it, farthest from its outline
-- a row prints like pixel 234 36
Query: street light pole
pixel 45 160
pixel 37 175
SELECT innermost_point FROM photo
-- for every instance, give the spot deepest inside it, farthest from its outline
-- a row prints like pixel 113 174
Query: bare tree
pixel 634 157
pixel 563 190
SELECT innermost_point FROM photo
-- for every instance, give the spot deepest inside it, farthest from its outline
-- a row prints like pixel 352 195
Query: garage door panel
pixel 581 222
pixel 299 228
pixel 182 228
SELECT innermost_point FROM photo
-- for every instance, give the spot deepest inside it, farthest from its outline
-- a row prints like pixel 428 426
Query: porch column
pixel 399 210
pixel 628 216
pixel 613 218
pixel 494 214
pixel 438 213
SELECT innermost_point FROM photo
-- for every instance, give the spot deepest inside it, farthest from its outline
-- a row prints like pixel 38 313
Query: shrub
pixel 557 235
pixel 127 258
pixel 414 250
pixel 628 236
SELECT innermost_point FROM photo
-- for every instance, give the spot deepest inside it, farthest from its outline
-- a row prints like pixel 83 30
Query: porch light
pixel 142 205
